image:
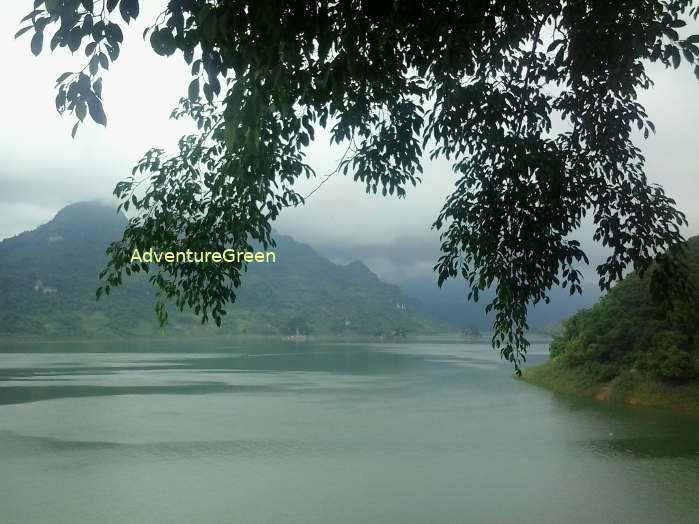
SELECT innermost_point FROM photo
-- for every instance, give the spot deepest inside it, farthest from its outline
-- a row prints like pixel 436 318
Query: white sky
pixel 43 169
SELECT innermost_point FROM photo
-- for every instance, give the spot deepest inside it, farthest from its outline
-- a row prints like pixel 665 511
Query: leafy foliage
pixel 479 84
pixel 628 331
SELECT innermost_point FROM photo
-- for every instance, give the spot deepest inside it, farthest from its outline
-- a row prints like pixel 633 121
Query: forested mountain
pixel 48 279
pixel 630 343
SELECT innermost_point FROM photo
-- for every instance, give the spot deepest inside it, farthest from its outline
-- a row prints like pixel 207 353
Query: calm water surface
pixel 424 432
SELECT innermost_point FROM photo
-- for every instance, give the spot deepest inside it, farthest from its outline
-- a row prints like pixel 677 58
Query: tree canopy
pixel 479 83
pixel 628 332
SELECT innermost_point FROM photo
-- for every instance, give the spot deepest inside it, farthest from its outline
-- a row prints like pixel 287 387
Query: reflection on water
pixel 433 431
pixel 33 393
pixel 648 447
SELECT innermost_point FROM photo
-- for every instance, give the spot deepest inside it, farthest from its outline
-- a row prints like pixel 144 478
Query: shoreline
pixel 27 340
pixel 633 389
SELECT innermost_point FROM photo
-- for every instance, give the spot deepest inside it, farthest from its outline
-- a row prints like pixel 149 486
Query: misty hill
pixel 48 278
pixel 450 304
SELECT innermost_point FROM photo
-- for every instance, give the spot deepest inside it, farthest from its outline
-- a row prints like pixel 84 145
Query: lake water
pixel 224 432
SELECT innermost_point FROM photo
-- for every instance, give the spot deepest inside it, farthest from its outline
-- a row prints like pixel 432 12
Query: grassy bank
pixel 630 387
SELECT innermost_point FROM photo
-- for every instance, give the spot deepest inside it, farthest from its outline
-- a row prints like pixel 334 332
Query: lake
pixel 432 431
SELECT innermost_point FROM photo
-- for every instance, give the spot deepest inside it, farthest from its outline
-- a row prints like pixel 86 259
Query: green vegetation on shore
pixel 630 348
pixel 631 388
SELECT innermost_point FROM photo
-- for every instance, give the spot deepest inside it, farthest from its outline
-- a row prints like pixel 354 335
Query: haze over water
pixel 218 432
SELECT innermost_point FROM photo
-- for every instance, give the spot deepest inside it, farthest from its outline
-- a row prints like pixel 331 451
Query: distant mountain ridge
pixel 450 305
pixel 48 278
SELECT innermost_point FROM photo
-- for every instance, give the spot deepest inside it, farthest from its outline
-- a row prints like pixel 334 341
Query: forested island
pixel 630 348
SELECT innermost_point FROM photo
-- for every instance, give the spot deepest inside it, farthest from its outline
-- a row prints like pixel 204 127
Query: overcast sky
pixel 43 169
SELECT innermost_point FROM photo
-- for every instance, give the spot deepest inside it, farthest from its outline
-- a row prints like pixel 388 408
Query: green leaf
pixel 30 15
pixel 104 62
pixel 163 42
pixel 111 4
pixel 63 77
pixel 22 31
pixel 98 31
pixel 113 52
pixel 37 43
pixel 128 9
pixel 114 33
pixel 74 39
pixel 558 61
pixel 96 112
pixel 688 55
pixel 80 110
pixel 554 45
pixel 193 91
pixel 675 53
pixel 94 65
pixel 208 93
pixel 60 100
